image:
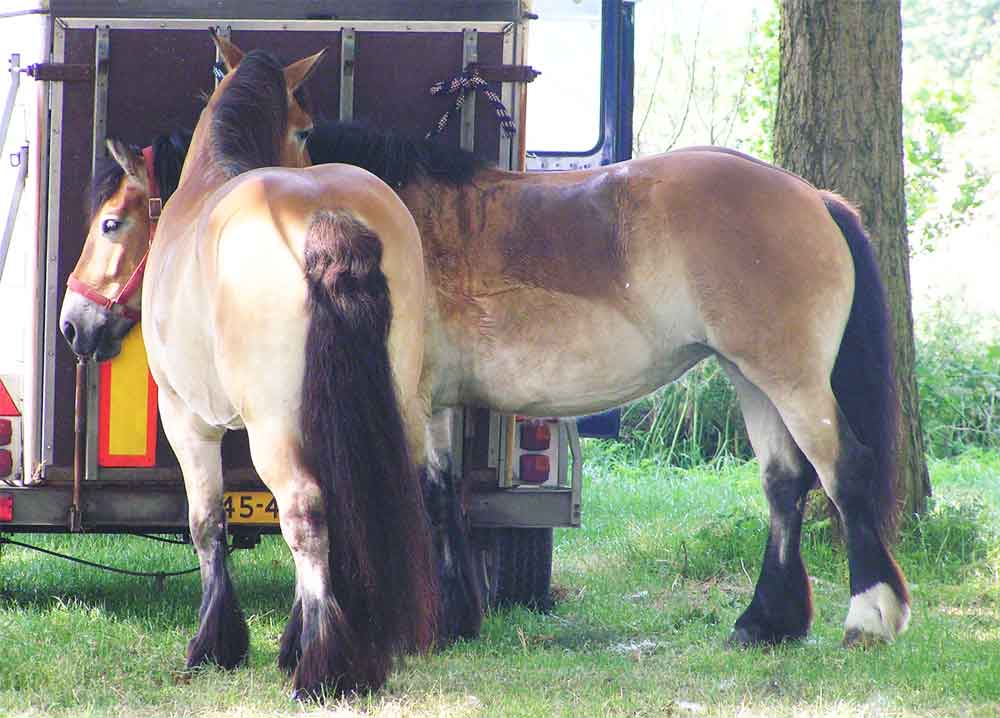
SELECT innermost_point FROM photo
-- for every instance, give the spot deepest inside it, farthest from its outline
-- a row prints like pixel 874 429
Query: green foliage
pixel 931 119
pixel 699 81
pixel 762 95
pixel 958 379
pixel 949 540
pixel 694 420
pixel 938 115
pixel 951 34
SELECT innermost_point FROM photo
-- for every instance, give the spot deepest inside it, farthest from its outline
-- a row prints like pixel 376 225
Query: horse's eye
pixel 304 134
pixel 110 225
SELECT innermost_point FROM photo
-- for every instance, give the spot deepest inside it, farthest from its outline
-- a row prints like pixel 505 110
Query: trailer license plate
pixel 250 507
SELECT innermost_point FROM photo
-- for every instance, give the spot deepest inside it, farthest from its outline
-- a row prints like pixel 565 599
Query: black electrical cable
pixel 164 539
pixel 158 575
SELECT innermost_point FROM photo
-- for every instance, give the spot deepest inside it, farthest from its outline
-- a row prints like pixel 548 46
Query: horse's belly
pixel 576 359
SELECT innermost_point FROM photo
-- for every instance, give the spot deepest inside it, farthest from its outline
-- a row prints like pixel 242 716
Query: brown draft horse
pixel 560 294
pixel 267 306
pixel 570 292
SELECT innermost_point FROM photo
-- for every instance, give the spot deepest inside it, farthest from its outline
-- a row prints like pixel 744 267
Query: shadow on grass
pixel 34 581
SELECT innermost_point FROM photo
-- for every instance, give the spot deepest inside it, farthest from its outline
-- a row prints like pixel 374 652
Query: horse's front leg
pixel 222 635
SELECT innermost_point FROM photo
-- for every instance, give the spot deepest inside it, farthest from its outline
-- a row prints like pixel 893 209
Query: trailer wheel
pixel 517 566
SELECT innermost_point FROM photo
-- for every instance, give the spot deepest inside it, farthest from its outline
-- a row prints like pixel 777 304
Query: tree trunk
pixel 839 124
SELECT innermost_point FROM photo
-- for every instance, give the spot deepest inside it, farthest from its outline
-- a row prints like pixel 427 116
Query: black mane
pixel 390 155
pixel 251 115
pixel 393 157
pixel 169 152
pixel 168 159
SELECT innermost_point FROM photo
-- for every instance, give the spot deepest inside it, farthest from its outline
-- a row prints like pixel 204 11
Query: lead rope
pixel 469 81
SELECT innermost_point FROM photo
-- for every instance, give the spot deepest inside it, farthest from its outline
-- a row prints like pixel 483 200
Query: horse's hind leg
pixel 290 647
pixel 222 635
pixel 318 647
pixel 879 606
pixel 458 579
pixel 781 608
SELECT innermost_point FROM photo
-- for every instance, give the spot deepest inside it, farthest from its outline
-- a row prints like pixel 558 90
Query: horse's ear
pixel 126 157
pixel 299 72
pixel 231 55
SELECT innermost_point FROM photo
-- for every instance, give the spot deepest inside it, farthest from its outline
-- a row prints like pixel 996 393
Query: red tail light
pixel 6 431
pixel 534 468
pixel 6 508
pixel 535 436
pixel 6 463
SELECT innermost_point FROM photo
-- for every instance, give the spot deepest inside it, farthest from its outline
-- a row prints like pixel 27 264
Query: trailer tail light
pixel 6 507
pixel 6 431
pixel 535 436
pixel 534 468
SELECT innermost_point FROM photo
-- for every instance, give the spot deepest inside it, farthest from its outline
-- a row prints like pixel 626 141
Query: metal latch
pixel 60 72
pixel 504 73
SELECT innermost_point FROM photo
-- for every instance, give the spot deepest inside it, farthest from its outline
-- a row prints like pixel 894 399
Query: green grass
pixel 648 591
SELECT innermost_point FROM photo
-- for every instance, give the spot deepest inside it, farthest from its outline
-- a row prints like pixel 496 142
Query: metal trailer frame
pixel 152 500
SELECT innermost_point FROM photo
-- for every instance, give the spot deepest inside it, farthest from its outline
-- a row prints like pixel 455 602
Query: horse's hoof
pixel 876 615
pixel 227 658
pixel 753 635
pixel 855 638
pixel 743 638
pixel 316 693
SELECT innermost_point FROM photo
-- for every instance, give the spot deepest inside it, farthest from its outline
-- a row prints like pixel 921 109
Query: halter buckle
pixel 155 207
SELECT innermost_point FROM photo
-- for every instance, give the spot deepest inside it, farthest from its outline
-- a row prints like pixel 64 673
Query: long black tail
pixel 355 441
pixel 864 379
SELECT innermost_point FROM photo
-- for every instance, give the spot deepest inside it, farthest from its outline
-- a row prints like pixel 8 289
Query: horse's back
pixel 745 252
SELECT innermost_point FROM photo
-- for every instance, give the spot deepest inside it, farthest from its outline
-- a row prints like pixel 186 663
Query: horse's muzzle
pixel 92 330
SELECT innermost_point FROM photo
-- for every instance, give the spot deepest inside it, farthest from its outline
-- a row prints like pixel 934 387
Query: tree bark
pixel 839 124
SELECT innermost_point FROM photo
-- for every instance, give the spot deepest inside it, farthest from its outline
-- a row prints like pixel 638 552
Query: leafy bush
pixel 950 539
pixel 958 377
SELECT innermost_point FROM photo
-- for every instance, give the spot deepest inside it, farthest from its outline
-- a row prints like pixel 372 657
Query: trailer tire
pixel 517 567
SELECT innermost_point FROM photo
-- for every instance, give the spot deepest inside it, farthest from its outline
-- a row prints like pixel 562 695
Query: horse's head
pixel 248 91
pixel 103 294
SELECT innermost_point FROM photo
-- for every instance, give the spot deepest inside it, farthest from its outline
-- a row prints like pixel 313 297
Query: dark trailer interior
pixel 132 69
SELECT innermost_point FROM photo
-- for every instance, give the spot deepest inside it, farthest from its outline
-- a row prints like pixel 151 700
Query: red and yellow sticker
pixel 127 407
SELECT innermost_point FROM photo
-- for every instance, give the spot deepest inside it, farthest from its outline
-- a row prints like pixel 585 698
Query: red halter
pixel 117 305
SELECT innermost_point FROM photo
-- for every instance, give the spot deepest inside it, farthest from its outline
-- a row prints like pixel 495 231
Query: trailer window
pixel 564 102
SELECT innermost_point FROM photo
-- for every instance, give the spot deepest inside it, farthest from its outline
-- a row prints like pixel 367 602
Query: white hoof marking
pixel 878 612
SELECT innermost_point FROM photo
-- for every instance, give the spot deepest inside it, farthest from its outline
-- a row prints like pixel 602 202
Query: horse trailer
pixel 81 449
